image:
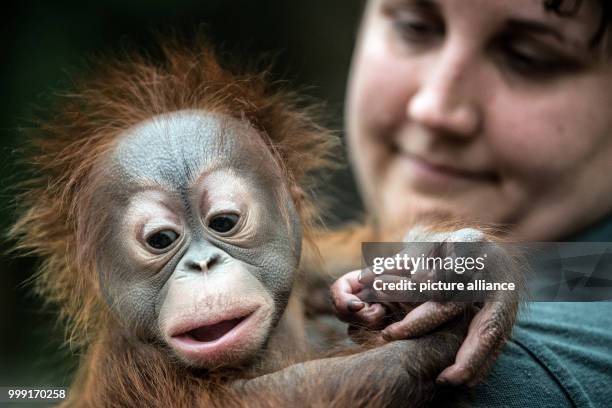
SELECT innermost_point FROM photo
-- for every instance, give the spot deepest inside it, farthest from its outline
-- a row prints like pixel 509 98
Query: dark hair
pixel 569 8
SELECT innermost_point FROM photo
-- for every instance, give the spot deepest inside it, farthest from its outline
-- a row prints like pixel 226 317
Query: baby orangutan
pixel 170 209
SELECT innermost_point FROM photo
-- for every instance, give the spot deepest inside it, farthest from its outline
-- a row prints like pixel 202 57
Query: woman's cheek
pixel 381 91
pixel 538 144
pixel 375 111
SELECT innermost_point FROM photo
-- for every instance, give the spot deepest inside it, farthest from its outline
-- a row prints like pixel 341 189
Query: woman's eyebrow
pixel 424 4
pixel 534 27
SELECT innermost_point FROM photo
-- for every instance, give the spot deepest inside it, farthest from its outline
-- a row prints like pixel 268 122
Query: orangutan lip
pixel 206 340
pixel 211 332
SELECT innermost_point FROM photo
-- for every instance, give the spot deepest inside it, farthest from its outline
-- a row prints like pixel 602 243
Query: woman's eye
pixel 535 63
pixel 223 222
pixel 162 239
pixel 415 25
pixel 415 30
pixel 526 63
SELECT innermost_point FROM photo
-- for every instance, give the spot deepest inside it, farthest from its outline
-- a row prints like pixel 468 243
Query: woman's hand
pixel 486 335
pixel 488 330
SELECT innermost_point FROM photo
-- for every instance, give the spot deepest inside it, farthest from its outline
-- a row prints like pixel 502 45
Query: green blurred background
pixel 45 40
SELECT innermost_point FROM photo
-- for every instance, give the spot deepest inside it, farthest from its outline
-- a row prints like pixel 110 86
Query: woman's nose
pixel 446 99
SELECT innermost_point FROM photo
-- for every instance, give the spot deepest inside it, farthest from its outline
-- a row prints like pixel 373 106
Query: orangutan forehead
pixel 176 148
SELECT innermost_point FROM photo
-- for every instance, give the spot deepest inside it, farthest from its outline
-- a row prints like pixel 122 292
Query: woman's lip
pixel 437 174
pixel 452 171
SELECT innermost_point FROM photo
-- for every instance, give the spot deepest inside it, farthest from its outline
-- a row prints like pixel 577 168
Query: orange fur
pixel 56 225
pixel 82 131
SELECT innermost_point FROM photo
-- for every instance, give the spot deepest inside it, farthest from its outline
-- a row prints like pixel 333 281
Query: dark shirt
pixel 560 354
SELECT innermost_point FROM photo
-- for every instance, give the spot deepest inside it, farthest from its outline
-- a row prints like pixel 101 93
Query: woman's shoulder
pixel 560 355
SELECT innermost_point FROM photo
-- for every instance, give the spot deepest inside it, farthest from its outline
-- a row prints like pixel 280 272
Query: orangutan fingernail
pixel 355 305
pixel 442 381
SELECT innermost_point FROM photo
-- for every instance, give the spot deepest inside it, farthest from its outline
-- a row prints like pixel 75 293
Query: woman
pixel 496 112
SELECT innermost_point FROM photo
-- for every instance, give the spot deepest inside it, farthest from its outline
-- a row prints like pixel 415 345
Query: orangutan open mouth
pixel 215 331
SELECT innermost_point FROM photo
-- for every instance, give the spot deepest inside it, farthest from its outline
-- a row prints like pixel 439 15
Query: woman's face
pixel 495 110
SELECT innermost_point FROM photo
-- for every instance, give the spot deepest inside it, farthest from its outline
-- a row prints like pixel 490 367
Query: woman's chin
pixel 407 208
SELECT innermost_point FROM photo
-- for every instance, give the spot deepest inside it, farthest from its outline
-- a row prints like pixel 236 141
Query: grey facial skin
pixel 170 266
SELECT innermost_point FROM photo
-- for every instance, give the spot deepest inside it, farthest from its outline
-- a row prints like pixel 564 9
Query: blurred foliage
pixel 45 42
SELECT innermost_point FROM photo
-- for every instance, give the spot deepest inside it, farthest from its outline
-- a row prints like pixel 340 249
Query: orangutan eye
pixel 223 223
pixel 161 240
